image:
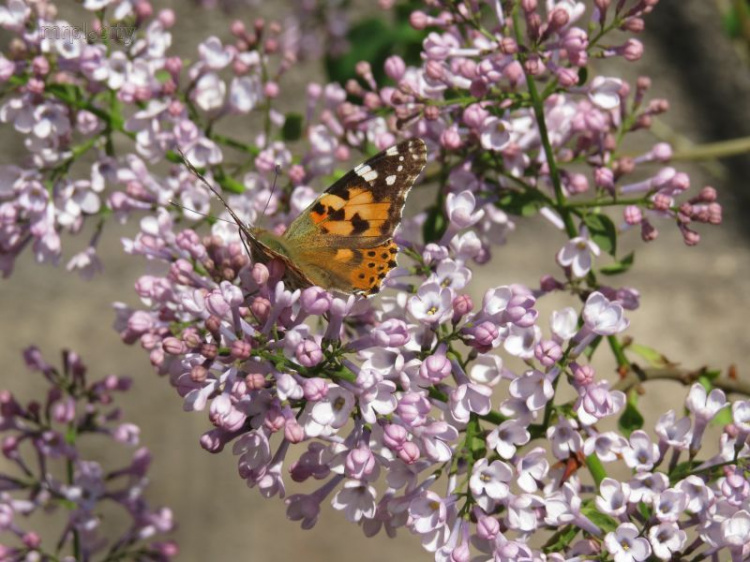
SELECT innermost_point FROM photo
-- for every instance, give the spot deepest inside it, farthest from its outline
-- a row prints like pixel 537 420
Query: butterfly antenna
pixel 277 171
pixel 178 205
pixel 211 188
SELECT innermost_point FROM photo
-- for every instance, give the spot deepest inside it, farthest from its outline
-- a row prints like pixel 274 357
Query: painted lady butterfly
pixel 344 240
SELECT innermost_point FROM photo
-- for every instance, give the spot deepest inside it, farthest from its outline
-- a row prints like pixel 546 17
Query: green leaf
pixel 682 470
pixel 583 75
pixel 604 522
pixel 292 129
pixel 708 377
pixel 435 225
pixel 631 419
pixel 522 203
pixel 619 266
pixel 228 183
pixel 723 418
pixel 67 92
pixel 653 357
pixel 561 540
pixel 645 511
pixel 162 76
pixel 374 40
pixel 731 23
pixel 478 447
pixel 602 231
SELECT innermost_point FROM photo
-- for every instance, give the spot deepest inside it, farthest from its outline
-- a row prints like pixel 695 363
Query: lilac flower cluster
pixel 516 118
pixel 43 441
pixel 402 407
pixel 69 98
pixel 370 392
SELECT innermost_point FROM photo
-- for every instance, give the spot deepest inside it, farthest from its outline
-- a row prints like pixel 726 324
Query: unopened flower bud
pixel 487 528
pixel 395 67
pixel 308 353
pixel 260 273
pixel 293 431
pixel 315 389
pixel 174 346
pixel 198 374
pixel 143 10
pixel 577 183
pixel 432 113
pixel 240 349
pixel 209 350
pixel 583 375
pixel 633 25
pixel 549 284
pixel 714 213
pixel 274 420
pixel 706 195
pixel 648 232
pixel 35 86
pixel 508 46
pixel 632 50
pixel 394 436
pixel 661 202
pixel 547 353
pixel 462 305
pixel 689 236
pixel 211 441
pixel 255 381
pixel 260 308
pixel 40 65
pixel 409 453
pixel 31 540
pixel 213 324
pixel 632 215
pixel 435 368
pixel 557 19
pixel 604 178
pixel 419 20
pixel 167 18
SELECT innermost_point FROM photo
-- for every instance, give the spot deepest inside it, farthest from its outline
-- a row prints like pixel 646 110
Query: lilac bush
pixel 45 443
pixel 403 407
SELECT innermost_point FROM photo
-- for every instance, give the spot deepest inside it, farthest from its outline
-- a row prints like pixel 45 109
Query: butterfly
pixel 343 241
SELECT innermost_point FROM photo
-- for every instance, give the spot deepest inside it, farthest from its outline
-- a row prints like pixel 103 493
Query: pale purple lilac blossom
pixel 398 428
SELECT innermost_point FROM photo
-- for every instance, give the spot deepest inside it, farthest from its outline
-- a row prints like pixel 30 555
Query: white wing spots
pixel 390 180
pixel 400 168
pixel 401 158
pixel 392 151
pixel 366 173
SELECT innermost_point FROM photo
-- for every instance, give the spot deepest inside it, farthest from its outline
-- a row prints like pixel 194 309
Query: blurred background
pixel 694 300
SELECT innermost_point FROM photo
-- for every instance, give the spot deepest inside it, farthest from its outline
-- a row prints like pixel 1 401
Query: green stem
pixel 228 141
pixel 537 104
pixel 596 468
pixel 714 150
pixel 686 377
pixel 70 474
pixel 608 203
pixel 619 352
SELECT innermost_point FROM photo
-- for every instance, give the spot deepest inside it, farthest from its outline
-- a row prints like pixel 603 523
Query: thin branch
pixel 637 375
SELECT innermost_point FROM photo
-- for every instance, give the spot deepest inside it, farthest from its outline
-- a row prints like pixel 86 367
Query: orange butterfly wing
pixel 344 240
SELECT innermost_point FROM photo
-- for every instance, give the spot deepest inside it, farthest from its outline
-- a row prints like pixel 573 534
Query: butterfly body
pixel 344 240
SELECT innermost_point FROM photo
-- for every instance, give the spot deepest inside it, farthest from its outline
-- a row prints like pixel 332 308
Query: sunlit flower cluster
pixel 403 408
